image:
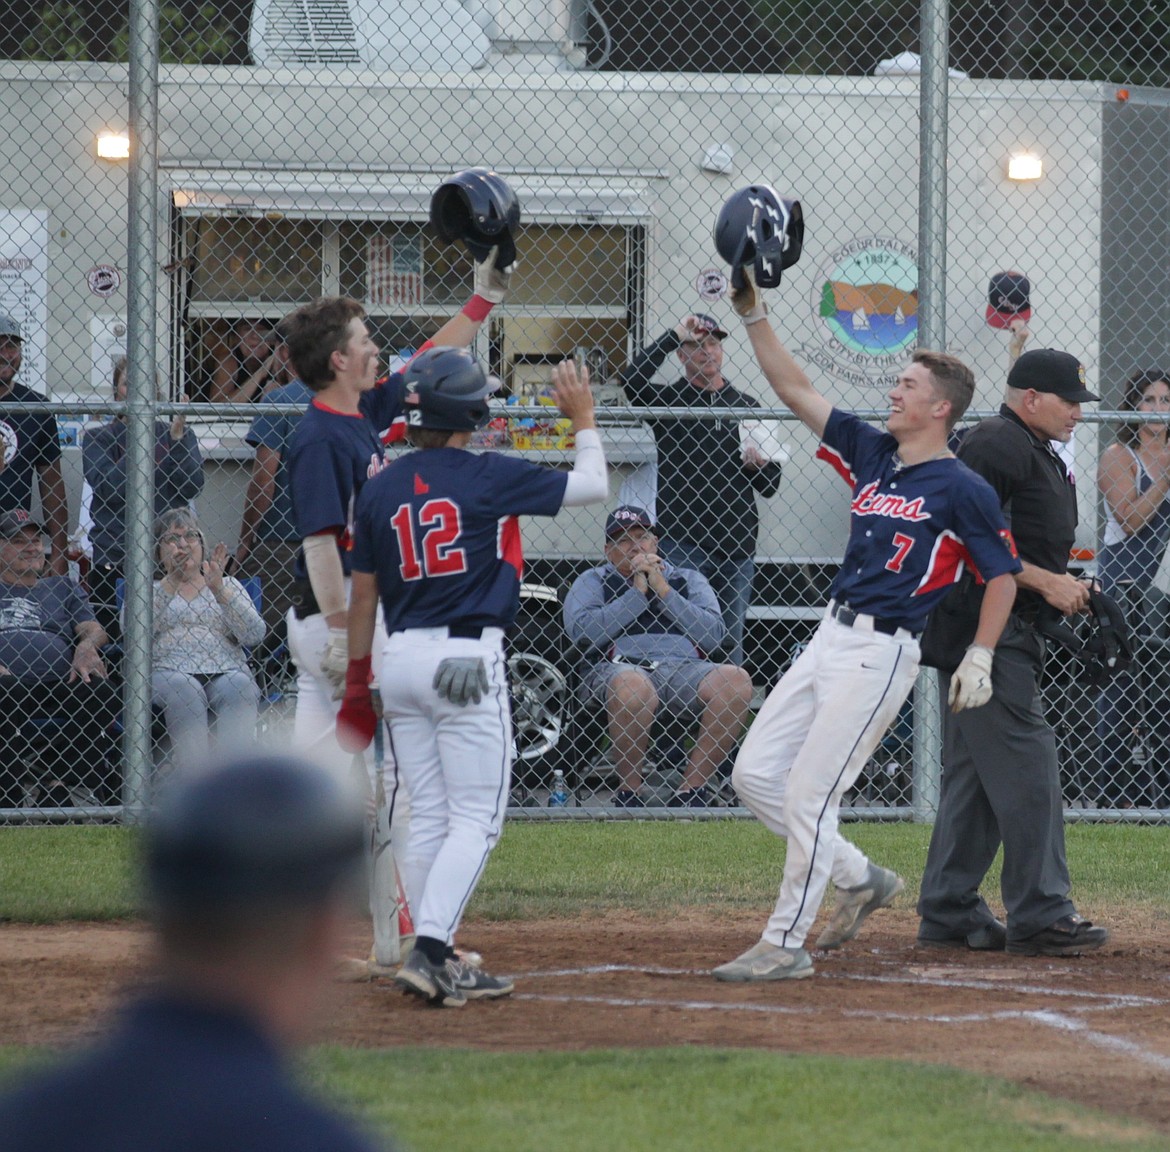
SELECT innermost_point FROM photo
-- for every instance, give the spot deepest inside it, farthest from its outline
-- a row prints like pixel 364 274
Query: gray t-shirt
pixel 38 627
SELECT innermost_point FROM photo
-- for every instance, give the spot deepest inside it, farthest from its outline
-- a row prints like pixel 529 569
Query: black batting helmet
pixel 478 207
pixel 446 389
pixel 755 226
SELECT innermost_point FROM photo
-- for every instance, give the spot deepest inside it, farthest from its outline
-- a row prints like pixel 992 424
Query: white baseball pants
pixel 807 746
pixel 456 764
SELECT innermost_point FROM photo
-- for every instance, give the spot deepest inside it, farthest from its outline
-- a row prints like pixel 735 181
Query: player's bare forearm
pixel 787 378
pixel 458 332
pixel 998 599
pixel 363 610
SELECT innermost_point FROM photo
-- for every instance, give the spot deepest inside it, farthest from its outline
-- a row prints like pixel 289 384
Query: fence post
pixel 142 296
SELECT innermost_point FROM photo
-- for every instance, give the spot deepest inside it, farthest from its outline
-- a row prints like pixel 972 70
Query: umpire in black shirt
pixel 252 870
pixel 707 483
pixel 1000 778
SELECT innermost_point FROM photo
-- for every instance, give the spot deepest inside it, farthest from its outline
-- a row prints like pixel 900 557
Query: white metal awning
pixel 345 196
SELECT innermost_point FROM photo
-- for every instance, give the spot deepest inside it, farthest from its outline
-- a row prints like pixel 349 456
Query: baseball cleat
pixel 432 982
pixel 764 961
pixel 854 905
pixel 1068 936
pixel 474 982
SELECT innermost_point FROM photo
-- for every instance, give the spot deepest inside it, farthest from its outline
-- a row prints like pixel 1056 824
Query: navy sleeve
pixel 515 487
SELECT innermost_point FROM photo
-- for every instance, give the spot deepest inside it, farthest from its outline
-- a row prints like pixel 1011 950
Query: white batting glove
pixel 335 660
pixel 490 282
pixel 745 296
pixel 971 681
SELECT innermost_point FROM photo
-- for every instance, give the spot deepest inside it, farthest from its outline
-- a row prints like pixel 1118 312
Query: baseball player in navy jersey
pixel 338 445
pixel 918 517
pixel 436 540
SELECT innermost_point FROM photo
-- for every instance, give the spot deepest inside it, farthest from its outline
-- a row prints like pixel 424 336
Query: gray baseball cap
pixel 9 328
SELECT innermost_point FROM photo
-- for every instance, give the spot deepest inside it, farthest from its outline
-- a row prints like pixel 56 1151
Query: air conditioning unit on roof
pixel 389 35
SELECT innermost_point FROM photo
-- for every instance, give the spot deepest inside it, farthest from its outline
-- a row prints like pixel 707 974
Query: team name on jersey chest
pixel 870 502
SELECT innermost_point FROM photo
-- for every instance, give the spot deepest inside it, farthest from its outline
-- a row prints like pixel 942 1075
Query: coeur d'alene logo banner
pixel 867 308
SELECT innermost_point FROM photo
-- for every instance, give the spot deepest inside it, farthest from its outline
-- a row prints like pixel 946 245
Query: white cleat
pixel 854 905
pixel 764 961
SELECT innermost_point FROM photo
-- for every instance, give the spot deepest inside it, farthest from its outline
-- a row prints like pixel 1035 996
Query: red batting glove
pixel 357 721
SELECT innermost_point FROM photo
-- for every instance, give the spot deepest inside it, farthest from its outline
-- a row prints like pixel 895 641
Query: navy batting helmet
pixel 253 830
pixel 478 207
pixel 755 226
pixel 446 389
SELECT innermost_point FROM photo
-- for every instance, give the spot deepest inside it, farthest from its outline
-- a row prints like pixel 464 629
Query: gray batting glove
pixel 971 681
pixel 490 282
pixel 461 679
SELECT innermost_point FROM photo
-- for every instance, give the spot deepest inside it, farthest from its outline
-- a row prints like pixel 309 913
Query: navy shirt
pixel 333 454
pixel 30 444
pixel 438 527
pixel 913 530
pixel 38 627
pixel 178 1077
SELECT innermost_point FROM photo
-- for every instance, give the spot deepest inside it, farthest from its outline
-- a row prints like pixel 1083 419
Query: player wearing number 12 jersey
pixel 918 518
pixel 436 540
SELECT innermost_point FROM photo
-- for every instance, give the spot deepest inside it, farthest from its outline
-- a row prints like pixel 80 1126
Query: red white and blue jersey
pixel 912 530
pixel 438 528
pixel 331 456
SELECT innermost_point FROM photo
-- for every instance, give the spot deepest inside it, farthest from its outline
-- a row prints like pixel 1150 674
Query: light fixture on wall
pixel 113 146
pixel 1022 166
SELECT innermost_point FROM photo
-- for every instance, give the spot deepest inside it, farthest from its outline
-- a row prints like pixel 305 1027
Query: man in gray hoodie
pixel 645 627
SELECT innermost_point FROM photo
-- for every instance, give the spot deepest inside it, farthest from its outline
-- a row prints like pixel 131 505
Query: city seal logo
pixel 866 300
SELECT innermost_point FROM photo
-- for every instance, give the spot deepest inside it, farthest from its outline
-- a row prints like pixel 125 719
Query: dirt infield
pixel 1095 1030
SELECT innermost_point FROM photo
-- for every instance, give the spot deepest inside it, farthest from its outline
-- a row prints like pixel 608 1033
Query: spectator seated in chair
pixel 51 669
pixel 644 626
pixel 203 620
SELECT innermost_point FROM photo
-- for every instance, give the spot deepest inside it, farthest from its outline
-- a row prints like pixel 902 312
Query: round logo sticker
pixel 867 301
pixel 103 280
pixel 711 285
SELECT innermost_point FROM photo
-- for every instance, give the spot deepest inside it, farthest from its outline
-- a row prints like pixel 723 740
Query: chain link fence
pixel 985 179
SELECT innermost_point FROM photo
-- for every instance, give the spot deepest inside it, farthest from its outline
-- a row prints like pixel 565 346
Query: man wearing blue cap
pixel 707 479
pixel 645 628
pixel 252 869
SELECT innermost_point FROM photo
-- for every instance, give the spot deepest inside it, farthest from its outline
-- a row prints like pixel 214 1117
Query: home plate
pixel 940 973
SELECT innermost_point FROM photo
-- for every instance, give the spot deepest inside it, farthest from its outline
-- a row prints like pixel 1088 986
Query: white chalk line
pixel 1060 1021
pixel 1106 1000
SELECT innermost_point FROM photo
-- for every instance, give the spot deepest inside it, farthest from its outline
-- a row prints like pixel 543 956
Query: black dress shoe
pixel 989 937
pixel 1068 936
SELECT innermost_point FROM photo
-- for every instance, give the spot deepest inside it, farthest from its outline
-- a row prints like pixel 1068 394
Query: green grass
pixel 574 869
pixel 654 1099
pixel 676 1100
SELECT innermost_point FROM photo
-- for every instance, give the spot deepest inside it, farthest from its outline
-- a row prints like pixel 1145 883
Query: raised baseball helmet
pixel 478 207
pixel 758 227
pixel 445 388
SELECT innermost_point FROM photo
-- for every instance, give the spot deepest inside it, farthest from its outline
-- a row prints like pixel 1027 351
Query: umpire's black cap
pixel 260 828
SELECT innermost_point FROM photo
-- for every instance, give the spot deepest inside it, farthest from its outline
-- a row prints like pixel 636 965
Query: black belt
pixel 304 603
pixel 848 617
pixel 464 632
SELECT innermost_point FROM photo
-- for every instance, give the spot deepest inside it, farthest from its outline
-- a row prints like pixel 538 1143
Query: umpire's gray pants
pixel 1000 783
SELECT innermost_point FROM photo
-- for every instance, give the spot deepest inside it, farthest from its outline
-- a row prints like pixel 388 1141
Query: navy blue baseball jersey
pixel 439 529
pixel 912 530
pixel 331 456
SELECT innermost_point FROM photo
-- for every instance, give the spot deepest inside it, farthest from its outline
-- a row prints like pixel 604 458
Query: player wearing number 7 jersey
pixel 918 517
pixel 437 541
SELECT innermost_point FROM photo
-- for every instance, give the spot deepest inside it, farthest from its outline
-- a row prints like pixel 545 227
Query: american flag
pixel 394 266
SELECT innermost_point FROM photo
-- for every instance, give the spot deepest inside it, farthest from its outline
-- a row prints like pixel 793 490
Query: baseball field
pixel 616 1036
